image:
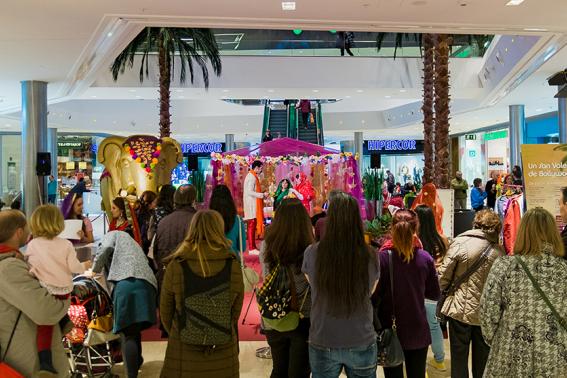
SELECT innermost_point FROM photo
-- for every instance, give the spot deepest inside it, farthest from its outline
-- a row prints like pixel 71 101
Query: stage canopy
pixel 283 147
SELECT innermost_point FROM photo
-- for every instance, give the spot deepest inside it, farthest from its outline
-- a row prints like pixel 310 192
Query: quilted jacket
pixel 464 304
pixel 526 339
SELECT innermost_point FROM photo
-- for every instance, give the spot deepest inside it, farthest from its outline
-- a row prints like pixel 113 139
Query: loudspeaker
pixel 193 162
pixel 43 164
pixel 375 161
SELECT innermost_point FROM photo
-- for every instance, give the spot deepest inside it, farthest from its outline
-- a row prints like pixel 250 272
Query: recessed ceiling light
pixel 387 96
pixel 271 90
pixel 131 90
pixel 288 5
pixel 538 109
pixel 109 34
pixel 179 90
pixel 94 120
pixel 138 96
pixel 93 96
pixel 8 125
pixel 403 90
pixel 181 97
pixel 359 91
pixel 347 96
pixel 225 90
pixel 514 2
pixel 315 91
pixel 363 121
pixel 535 29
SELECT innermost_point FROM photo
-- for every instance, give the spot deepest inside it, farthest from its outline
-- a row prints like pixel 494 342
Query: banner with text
pixel 545 173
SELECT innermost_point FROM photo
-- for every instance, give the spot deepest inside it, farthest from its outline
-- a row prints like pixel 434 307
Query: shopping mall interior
pixel 359 96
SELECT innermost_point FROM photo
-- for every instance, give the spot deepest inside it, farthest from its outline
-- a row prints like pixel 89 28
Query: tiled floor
pixel 250 365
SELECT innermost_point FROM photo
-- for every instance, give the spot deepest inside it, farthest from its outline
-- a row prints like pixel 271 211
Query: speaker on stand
pixel 42 169
pixel 192 162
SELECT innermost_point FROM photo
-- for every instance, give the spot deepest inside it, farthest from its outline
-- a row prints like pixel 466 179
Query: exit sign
pixel 470 136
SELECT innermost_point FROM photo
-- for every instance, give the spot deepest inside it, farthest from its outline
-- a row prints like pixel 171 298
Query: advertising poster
pixel 545 173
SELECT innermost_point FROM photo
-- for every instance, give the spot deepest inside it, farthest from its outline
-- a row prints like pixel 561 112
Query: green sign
pixel 470 136
pixel 496 135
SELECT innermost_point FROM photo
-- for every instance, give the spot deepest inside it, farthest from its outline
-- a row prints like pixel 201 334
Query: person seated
pixel 285 190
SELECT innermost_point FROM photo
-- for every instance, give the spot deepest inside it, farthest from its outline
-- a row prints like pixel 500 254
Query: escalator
pixel 285 120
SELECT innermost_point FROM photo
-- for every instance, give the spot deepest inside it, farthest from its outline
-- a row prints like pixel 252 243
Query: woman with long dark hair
pixel 164 208
pixel 284 191
pixel 148 203
pixel 222 202
pixel 285 243
pixel 343 272
pixel 124 219
pixel 414 279
pixel 437 246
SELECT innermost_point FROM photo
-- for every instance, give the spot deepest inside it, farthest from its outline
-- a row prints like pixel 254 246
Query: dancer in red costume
pixel 304 187
pixel 254 205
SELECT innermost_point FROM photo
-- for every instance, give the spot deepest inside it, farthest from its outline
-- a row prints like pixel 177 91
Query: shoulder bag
pixel 6 371
pixel 390 352
pixel 250 276
pixel 458 282
pixel 558 317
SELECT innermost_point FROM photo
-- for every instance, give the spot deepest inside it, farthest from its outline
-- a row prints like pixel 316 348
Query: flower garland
pixel 144 151
pixel 297 160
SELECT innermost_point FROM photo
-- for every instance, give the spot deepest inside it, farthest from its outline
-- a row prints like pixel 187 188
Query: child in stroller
pixel 92 347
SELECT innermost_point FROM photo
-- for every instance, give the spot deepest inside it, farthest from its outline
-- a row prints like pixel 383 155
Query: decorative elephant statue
pixel 136 163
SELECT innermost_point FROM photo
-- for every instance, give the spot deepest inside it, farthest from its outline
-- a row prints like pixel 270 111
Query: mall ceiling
pixel 69 43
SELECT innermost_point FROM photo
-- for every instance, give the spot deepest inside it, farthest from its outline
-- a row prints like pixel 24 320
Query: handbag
pixel 6 371
pixel 450 290
pixel 390 352
pixel 101 323
pixel 558 317
pixel 249 276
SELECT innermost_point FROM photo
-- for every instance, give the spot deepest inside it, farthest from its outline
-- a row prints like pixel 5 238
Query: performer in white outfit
pixel 254 205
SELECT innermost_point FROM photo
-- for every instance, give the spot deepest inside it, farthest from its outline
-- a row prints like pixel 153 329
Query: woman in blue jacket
pixel 478 195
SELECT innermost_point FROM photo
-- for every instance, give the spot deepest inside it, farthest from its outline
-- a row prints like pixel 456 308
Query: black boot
pixel 46 362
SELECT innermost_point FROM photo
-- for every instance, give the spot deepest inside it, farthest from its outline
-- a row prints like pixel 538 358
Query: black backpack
pixel 206 318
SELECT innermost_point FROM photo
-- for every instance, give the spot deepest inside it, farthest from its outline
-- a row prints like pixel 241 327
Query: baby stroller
pixel 91 346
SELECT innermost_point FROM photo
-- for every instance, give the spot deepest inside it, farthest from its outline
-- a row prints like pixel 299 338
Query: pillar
pixel 562 117
pixel 359 149
pixel 229 142
pixel 52 148
pixel 34 140
pixel 516 132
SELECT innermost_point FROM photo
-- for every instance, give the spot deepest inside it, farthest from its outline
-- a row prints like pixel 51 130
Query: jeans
pixel 437 346
pixel 461 335
pixel 358 362
pixel 414 361
pixel 51 198
pixel 290 351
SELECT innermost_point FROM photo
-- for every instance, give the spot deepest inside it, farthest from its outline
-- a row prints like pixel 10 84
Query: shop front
pixel 403 157
pixel 196 161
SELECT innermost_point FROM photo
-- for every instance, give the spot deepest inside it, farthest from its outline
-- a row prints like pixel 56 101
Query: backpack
pixel 277 300
pixel 206 318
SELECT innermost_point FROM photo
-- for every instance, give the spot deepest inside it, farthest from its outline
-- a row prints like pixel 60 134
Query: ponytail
pixel 404 227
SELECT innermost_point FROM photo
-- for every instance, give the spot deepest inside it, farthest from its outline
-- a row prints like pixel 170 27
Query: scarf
pixel 7 249
pixel 259 208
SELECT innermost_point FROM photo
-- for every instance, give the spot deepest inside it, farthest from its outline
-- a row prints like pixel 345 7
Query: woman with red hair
pixel 414 279
pixel 428 197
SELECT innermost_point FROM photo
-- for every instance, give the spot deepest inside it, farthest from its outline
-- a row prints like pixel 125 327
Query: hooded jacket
pixel 463 305
pixel 20 291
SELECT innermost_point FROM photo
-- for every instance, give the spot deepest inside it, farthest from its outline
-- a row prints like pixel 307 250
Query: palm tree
pixel 427 107
pixel 436 96
pixel 190 45
pixel 442 100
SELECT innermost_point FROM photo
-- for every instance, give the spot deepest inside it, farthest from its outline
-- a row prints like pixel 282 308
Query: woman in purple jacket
pixel 415 279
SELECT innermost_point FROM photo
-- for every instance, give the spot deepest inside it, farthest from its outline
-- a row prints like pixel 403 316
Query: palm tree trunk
pixel 427 108
pixel 164 92
pixel 442 99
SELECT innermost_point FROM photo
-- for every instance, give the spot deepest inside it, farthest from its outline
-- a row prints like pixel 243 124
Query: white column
pixel 229 142
pixel 359 149
pixel 34 140
pixel 517 129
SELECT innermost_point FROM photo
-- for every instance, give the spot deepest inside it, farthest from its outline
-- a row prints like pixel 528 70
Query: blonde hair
pixel 206 230
pixel 47 221
pixel 538 228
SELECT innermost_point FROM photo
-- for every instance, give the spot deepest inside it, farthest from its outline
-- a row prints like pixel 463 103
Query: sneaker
pixel 437 365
